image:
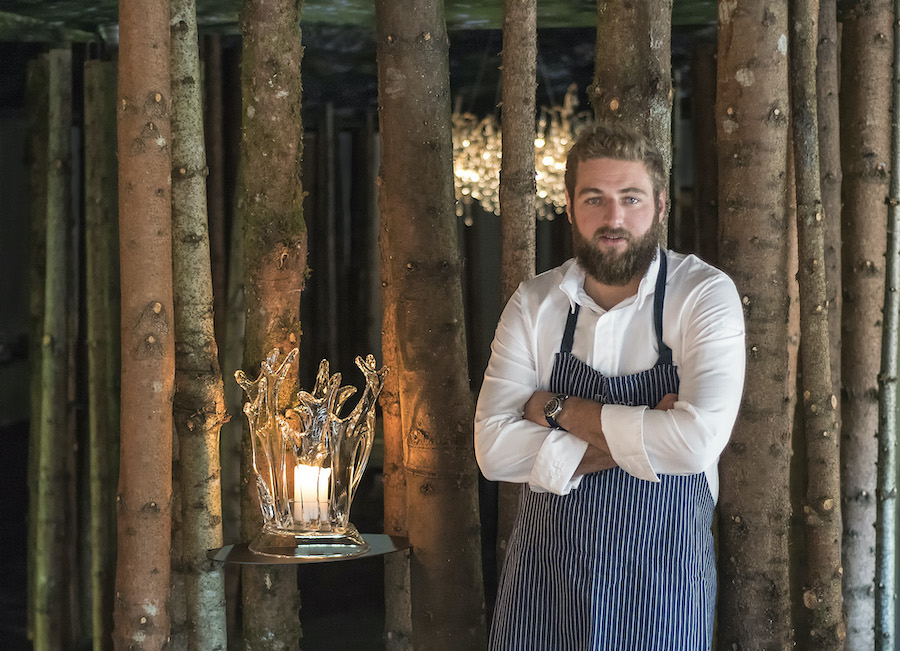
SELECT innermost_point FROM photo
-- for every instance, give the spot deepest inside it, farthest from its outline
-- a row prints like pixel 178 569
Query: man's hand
pixel 534 408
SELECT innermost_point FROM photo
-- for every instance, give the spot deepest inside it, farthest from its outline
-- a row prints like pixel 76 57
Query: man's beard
pixel 609 267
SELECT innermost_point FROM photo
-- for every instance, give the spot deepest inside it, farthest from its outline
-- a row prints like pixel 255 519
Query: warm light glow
pixel 477 150
pixel 311 485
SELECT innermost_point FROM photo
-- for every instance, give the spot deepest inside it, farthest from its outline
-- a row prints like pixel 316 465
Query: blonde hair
pixel 605 140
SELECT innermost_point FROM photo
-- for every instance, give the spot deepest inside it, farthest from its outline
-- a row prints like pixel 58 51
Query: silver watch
pixel 553 408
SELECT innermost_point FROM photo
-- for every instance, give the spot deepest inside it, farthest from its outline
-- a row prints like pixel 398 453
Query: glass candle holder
pixel 308 460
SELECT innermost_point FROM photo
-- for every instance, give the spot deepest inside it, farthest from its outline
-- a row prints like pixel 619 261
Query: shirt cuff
pixel 556 463
pixel 623 428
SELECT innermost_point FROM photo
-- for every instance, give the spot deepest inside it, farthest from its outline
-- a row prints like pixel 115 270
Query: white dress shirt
pixel 703 325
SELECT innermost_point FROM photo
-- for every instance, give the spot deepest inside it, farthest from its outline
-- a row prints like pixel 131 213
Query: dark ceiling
pixel 33 19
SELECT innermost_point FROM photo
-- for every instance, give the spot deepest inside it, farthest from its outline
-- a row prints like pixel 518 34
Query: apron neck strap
pixel 659 297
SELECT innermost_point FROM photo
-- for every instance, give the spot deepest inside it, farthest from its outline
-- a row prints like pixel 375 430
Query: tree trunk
pixel 232 430
pixel 886 532
pixel 148 347
pixel 754 503
pixel 517 188
pixel 830 177
pixel 633 68
pixel 52 627
pixel 38 124
pixel 199 408
pixel 274 268
pixel 822 596
pixel 420 239
pixel 102 310
pixel 215 180
pixel 865 146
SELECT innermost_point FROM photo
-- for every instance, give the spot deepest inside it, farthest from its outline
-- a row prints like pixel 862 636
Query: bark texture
pixel 52 624
pixel 102 311
pixel 886 534
pixel 419 235
pixel 865 146
pixel 148 346
pixel 754 503
pixel 517 188
pixel 199 404
pixel 274 269
pixel 828 117
pixel 633 68
pixel 822 595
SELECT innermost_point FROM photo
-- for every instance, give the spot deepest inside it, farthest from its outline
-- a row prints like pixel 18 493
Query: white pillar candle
pixel 311 485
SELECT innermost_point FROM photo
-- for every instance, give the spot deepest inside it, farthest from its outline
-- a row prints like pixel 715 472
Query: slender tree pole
pixel 865 148
pixel 36 103
pixel 420 237
pixel 102 308
pixel 886 531
pixel 754 502
pixel 822 511
pixel 148 347
pixel 275 250
pixel 199 396
pixel 517 187
pixel 52 628
pixel 215 180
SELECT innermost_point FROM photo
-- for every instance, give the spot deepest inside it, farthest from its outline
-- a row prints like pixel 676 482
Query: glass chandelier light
pixel 477 147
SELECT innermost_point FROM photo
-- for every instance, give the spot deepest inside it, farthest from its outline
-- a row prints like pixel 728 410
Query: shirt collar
pixel 572 285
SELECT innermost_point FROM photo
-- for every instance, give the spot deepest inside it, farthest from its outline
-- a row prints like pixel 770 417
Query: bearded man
pixel 612 388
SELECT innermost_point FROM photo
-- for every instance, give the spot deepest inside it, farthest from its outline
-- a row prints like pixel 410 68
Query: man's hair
pixel 605 140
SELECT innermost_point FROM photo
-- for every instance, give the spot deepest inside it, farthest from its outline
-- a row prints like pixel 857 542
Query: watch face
pixel 553 406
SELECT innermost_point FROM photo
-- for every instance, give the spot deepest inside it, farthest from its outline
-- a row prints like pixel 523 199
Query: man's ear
pixel 662 205
pixel 568 206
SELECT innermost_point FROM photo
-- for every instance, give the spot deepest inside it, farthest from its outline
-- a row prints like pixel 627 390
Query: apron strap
pixel 659 297
pixel 569 335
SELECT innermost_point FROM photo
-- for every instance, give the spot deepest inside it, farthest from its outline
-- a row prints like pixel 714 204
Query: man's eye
pixel 631 200
pixel 591 201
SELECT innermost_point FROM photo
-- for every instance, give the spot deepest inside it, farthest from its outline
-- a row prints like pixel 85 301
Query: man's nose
pixel 614 215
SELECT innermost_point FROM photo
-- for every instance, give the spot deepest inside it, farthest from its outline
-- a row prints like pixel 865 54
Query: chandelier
pixel 477 147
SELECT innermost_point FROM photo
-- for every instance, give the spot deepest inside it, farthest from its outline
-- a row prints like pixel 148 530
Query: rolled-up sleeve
pixel 690 437
pixel 508 447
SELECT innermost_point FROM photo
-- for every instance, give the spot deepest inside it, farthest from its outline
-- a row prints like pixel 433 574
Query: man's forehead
pixel 612 174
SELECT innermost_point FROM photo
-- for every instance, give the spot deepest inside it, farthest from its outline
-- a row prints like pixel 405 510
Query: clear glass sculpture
pixel 308 460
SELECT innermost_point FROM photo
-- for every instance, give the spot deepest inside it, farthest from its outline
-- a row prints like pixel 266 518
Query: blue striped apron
pixel 619 563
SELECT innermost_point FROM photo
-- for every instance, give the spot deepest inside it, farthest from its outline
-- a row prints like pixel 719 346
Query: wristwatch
pixel 554 408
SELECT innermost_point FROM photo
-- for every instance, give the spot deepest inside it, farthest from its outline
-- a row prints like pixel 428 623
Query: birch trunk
pixel 865 146
pixel 102 310
pixel 53 626
pixel 275 250
pixel 148 348
pixel 886 531
pixel 633 69
pixel 421 246
pixel 754 502
pixel 822 596
pixel 517 188
pixel 199 407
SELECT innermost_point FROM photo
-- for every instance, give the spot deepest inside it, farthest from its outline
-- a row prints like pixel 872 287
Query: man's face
pixel 616 220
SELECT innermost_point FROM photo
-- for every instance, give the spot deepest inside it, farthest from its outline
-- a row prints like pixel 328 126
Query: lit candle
pixel 311 492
